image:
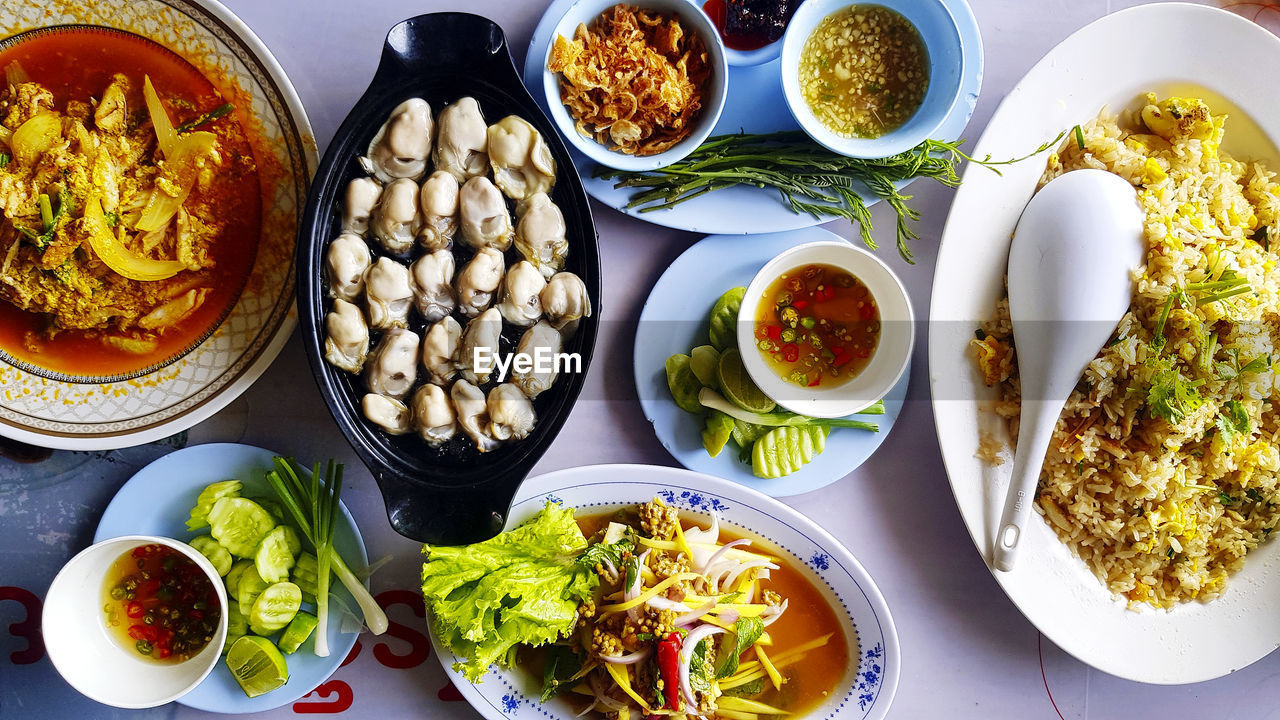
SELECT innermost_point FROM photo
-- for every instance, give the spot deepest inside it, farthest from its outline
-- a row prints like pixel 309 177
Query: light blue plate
pixel 755 105
pixel 157 501
pixel 674 320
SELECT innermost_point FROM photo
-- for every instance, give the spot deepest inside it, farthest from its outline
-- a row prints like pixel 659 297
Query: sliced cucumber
pixel 249 588
pixel 299 629
pixel 208 496
pixel 217 555
pixel 239 524
pixel 274 608
pixel 273 558
pixel 271 506
pixel 292 540
pixel 232 579
pixel 304 576
pixel 237 624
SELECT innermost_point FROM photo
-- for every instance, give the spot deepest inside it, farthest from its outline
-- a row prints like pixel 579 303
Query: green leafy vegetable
pixel 520 587
pixel 313 506
pixel 702 667
pixel 1232 421
pixel 210 116
pixel 1232 370
pixel 714 400
pixel 746 631
pixel 811 179
pixel 1171 396
pixel 600 552
pixel 1079 136
pixel 562 663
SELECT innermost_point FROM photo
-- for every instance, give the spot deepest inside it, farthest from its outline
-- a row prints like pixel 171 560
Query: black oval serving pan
pixel 453 494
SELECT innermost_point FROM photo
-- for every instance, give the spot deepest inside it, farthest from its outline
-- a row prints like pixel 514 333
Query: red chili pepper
pixel 816 379
pixel 140 551
pixel 774 331
pixel 842 357
pixel 863 353
pixel 790 352
pixel 134 609
pixel 163 653
pixel 800 304
pixel 867 311
pixel 828 293
pixel 669 668
pixel 136 632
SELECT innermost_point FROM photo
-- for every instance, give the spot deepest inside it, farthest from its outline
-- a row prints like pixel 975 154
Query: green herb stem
pixel 210 116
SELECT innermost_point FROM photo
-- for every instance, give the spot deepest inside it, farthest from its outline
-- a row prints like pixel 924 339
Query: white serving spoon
pixel 1069 284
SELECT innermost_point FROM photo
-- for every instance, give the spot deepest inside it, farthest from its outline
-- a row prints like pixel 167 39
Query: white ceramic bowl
pixel 693 19
pixel 84 653
pixel 887 363
pixel 941 38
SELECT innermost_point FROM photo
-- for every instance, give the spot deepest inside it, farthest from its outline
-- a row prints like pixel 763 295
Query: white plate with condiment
pixel 42 409
pixel 1108 63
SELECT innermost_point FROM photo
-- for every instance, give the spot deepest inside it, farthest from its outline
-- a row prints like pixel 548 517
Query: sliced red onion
pixel 733 574
pixel 630 659
pixel 697 536
pixel 693 615
pixel 720 553
pixel 634 589
pixel 661 603
pixel 588 708
pixel 601 697
pixel 686 655
pixel 729 616
pixel 773 613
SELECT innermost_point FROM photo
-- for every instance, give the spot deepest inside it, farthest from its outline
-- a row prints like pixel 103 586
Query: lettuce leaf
pixel 520 587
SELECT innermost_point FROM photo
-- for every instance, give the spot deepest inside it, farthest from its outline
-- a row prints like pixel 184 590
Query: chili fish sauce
pixel 817 326
pixel 159 604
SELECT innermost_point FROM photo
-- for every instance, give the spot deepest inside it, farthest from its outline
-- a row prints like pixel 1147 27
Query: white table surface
pixel 967 651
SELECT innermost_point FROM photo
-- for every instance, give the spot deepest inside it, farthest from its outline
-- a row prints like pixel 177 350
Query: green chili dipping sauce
pixel 817 326
pixel 159 604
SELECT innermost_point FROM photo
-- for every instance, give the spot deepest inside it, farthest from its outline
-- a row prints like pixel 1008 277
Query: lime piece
pixel 208 496
pixel 274 608
pixel 683 383
pixel 274 557
pixel 216 554
pixel 300 628
pixel 703 361
pixel 724 319
pixel 239 524
pixel 257 665
pixel 784 450
pixel 737 385
pixel 716 432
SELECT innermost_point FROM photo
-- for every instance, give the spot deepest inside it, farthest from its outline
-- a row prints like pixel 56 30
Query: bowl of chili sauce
pixel 825 329
pixel 135 621
pixel 751 29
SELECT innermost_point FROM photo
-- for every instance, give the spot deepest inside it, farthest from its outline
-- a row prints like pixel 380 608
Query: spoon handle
pixel 1035 432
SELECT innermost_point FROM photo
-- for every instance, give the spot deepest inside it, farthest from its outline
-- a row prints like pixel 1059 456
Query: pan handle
pixel 442 515
pixel 455 40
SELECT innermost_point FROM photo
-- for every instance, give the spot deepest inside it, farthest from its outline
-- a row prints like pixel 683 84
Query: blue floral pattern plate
pixel 866 691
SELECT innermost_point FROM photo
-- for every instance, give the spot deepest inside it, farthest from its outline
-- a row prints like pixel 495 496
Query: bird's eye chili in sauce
pixel 864 71
pixel 159 604
pixel 817 326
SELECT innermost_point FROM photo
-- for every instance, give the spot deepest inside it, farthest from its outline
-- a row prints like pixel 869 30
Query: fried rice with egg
pixel 1162 472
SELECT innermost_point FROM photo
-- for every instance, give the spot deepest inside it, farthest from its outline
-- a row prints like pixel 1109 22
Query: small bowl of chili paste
pixel 751 29
pixel 825 329
pixel 135 621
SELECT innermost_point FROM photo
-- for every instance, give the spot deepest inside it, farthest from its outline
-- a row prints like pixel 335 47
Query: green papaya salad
pixel 712 382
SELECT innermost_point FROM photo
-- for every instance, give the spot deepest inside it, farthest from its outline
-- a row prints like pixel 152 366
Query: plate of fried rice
pixel 1153 558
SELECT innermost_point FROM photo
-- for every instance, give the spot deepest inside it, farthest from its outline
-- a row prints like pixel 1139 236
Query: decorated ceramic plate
pixel 1108 63
pixel 755 105
pixel 867 687
pixel 674 320
pixel 157 501
pixel 109 409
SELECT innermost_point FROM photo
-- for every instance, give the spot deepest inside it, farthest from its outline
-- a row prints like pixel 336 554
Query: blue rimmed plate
pixel 157 501
pixel 755 105
pixel 868 686
pixel 674 320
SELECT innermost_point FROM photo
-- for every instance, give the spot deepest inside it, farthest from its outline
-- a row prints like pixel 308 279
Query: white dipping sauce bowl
pixel 91 660
pixel 887 363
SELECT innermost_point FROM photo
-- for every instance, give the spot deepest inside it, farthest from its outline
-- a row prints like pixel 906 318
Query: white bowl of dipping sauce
pixel 887 361
pixel 88 654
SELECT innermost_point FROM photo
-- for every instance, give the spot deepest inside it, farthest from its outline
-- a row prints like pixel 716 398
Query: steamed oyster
pixel 393 364
pixel 347 342
pixel 432 277
pixel 348 258
pixel 540 234
pixel 541 343
pixel 511 415
pixel 461 148
pixel 387 294
pixel 478 281
pixel 396 219
pixel 362 196
pixel 479 347
pixel 387 413
pixel 473 414
pixel 565 301
pixel 438 200
pixel 522 162
pixel 440 350
pixel 521 304
pixel 484 218
pixel 433 414
pixel 403 144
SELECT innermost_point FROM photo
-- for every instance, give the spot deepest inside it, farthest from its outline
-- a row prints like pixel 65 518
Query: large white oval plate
pixel 868 686
pixel 1107 63
pixel 97 416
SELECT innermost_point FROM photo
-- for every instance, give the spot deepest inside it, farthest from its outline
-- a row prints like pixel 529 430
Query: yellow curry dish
pixel 130 207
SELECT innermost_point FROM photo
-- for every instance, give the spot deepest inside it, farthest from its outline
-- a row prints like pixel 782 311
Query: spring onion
pixel 714 400
pixel 314 506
